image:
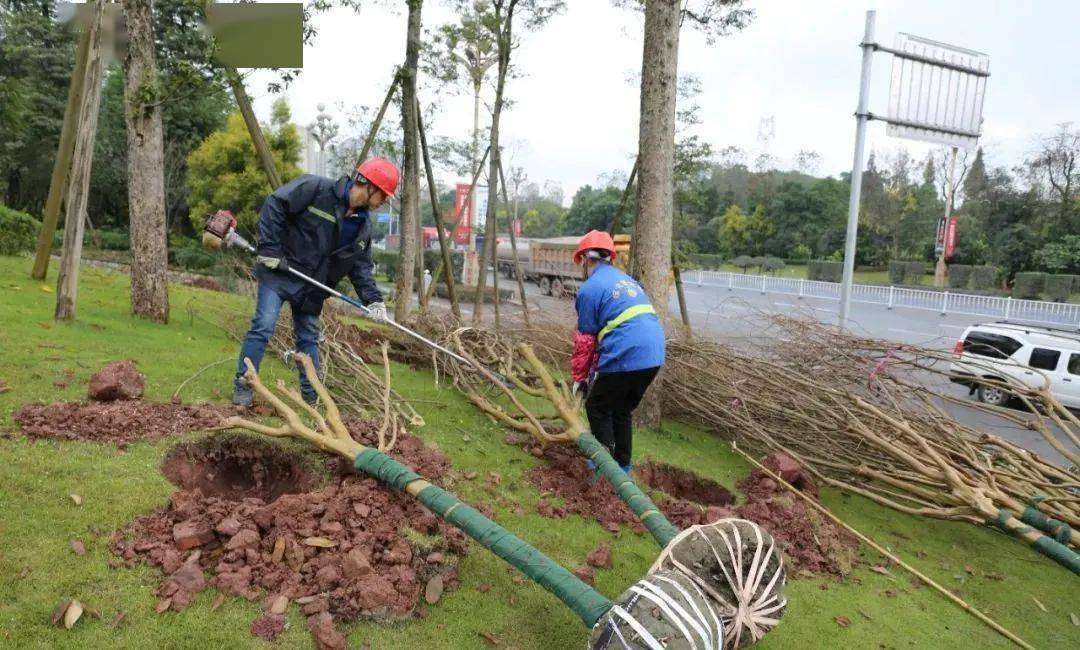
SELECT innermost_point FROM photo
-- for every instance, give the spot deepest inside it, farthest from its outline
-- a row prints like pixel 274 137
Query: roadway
pixel 738 315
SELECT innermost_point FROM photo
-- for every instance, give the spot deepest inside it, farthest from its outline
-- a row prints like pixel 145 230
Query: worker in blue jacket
pixel 322 228
pixel 618 347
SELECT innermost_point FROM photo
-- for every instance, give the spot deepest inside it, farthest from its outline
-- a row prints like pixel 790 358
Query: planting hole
pixel 237 468
pixel 681 484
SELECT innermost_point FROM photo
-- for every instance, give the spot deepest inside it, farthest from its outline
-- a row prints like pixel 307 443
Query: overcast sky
pixel 576 113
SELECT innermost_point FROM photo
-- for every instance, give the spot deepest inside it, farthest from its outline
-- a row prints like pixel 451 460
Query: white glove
pixel 377 311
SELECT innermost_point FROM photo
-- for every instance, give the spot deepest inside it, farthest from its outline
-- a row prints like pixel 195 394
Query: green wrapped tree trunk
pixel 582 599
pixel 661 529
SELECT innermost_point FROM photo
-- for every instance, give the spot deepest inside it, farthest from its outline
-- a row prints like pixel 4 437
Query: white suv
pixel 1033 356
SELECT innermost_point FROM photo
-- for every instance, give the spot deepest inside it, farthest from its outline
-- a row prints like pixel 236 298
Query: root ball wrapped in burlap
pixel 740 568
pixel 664 610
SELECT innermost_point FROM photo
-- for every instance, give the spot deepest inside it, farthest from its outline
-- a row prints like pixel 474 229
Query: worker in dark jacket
pixel 618 346
pixel 322 228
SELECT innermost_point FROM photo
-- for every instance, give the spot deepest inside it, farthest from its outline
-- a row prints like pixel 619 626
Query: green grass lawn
pixel 38 519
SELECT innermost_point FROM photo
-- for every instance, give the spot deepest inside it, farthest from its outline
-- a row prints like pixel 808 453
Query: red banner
pixel 950 238
pixel 461 198
pixel 461 235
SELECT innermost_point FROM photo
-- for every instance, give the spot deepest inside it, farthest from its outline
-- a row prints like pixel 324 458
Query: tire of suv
pixel 993 395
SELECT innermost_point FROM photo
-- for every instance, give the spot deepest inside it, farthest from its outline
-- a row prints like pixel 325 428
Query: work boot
pixel 242 395
pixel 311 398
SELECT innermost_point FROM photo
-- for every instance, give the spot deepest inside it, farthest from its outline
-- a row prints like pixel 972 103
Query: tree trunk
pixel 243 102
pixel 67 283
pixel 514 248
pixel 410 193
pixel 146 165
pixel 369 142
pixel 505 44
pixel 62 165
pixel 651 250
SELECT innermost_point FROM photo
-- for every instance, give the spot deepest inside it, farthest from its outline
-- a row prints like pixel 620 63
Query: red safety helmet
pixel 381 173
pixel 595 240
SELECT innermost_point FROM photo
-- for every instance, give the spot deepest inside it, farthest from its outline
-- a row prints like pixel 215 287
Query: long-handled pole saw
pixel 220 230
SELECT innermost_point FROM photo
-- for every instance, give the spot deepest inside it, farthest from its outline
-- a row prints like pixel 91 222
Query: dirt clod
pixel 119 422
pixel 253 510
pixel 117 381
pixel 268 627
pixel 811 542
pixel 600 557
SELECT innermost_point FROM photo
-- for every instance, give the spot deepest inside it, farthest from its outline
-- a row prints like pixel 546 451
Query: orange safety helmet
pixel 381 173
pixel 595 240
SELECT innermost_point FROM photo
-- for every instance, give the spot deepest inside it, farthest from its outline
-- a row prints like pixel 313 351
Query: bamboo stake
pixel 881 549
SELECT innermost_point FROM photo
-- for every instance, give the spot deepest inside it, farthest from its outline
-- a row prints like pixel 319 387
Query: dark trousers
pixel 610 408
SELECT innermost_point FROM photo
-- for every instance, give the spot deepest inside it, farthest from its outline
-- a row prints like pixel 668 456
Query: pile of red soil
pixel 258 522
pixel 811 542
pixel 119 421
pixel 117 380
pixel 582 492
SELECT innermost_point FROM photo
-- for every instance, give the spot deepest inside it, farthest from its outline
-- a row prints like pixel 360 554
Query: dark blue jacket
pixel 301 221
pixel 614 307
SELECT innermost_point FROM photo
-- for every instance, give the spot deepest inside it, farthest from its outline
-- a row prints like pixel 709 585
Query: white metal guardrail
pixel 944 302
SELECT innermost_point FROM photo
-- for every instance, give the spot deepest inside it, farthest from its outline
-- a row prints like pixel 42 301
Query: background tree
pixel 146 178
pixel 1055 166
pixel 532 14
pixel 224 172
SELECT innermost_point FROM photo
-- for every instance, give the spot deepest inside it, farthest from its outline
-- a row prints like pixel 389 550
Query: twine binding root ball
pixel 663 610
pixel 739 566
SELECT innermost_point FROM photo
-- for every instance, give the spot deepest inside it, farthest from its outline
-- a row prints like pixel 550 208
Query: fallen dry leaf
pixel 76 498
pixel 470 475
pixel 1075 619
pixel 71 616
pixel 163 605
pixel 78 547
pixel 880 569
pixel 842 621
pixel 321 542
pixel 4 387
pixel 279 550
pixel 864 614
pixel 46 288
pixel 483 588
pixel 119 617
pixel 218 602
pixel 490 638
pixel 1041 606
pixel 281 603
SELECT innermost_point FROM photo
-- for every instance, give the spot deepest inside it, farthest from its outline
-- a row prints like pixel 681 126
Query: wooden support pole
pixel 67 283
pixel 616 221
pixel 58 184
pixel 513 248
pixel 444 246
pixel 370 141
pixel 262 149
pixel 880 549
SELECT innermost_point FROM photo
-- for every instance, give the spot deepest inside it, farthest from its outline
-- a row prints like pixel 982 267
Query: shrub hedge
pixel 18 232
pixel 1028 285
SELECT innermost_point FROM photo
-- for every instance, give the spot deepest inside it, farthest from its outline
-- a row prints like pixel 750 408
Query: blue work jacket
pixel 614 307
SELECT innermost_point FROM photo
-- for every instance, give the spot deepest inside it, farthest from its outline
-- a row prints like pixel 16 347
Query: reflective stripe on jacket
pixel 300 221
pixel 614 307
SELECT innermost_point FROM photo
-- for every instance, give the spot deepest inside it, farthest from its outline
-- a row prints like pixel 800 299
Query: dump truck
pixel 549 262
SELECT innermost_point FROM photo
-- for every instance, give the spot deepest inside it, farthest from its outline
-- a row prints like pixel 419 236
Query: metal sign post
pixel 861 118
pixel 936 95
